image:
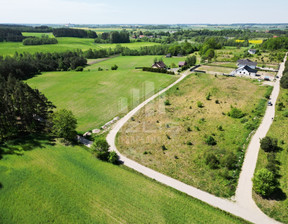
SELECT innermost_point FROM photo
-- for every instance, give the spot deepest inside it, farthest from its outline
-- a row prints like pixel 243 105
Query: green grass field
pixel 96 97
pixel 64 44
pixel 26 34
pixel 277 208
pixel 58 184
pixel 182 128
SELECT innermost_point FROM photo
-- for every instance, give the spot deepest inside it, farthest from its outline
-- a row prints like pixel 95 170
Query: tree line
pixel 11 35
pixel 39 40
pixel 23 66
pixel 22 109
pixel 114 37
pixel 284 79
pixel 275 43
pixel 175 50
pixel 67 32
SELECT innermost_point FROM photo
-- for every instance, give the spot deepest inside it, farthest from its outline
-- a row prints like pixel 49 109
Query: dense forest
pixel 22 109
pixel 66 32
pixel 39 40
pixel 11 35
pixel 276 43
pixel 114 37
pixel 23 66
pixel 22 28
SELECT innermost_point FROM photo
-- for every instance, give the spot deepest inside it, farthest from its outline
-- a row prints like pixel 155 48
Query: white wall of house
pixel 244 72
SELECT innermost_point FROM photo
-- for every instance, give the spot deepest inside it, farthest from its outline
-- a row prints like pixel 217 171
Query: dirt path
pixel 244 189
pixel 102 59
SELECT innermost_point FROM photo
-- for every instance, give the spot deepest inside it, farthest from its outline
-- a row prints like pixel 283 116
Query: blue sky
pixel 143 12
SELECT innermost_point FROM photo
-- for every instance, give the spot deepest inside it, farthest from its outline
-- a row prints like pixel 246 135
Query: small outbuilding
pixel 182 63
pixel 252 51
pixel 168 55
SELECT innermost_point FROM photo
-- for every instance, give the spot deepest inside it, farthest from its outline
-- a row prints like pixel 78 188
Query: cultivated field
pixel 58 184
pixel 277 206
pixel 96 97
pixel 64 44
pixel 172 138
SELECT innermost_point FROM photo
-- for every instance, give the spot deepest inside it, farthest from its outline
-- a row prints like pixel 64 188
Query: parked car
pixel 270 103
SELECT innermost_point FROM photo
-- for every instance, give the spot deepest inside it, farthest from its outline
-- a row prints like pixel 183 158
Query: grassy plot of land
pixel 95 97
pixel 170 134
pixel 277 206
pixel 27 34
pixel 64 44
pixel 58 184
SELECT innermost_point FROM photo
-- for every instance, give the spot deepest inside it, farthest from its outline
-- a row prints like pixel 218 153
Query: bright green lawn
pixel 64 44
pixel 26 34
pixel 57 184
pixel 96 97
pixel 277 209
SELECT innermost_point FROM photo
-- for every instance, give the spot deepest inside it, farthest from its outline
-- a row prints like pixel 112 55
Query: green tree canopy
pixel 264 182
pixel 64 124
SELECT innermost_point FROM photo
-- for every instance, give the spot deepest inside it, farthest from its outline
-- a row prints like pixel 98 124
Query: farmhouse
pixel 182 63
pixel 244 71
pixel 246 62
pixel 159 64
pixel 252 51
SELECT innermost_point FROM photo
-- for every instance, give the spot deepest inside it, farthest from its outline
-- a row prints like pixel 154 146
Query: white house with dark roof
pixel 246 62
pixel 244 71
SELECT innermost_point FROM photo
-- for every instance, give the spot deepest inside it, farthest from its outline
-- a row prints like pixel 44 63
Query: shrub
pixel 100 69
pixel 280 106
pixel 264 182
pixel 236 113
pixel 114 67
pixel 79 69
pixel 167 103
pixel 211 160
pixel 200 104
pixel 113 157
pixel 164 148
pixel 229 160
pixel 220 128
pixel 210 140
pixel 208 96
pixel 269 144
pixel 285 113
pixel 189 129
pixel 217 102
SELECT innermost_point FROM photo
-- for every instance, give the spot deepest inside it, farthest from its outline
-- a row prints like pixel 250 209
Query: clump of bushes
pixel 211 160
pixel 200 104
pixel 264 182
pixel 269 144
pixel 167 103
pixel 101 149
pixel 209 140
pixel 114 67
pixel 236 113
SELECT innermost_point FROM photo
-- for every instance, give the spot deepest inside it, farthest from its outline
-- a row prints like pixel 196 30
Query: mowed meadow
pixel 170 134
pixel 64 44
pixel 95 97
pixel 64 184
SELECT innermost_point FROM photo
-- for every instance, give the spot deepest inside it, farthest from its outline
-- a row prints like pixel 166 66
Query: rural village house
pixel 251 64
pixel 159 64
